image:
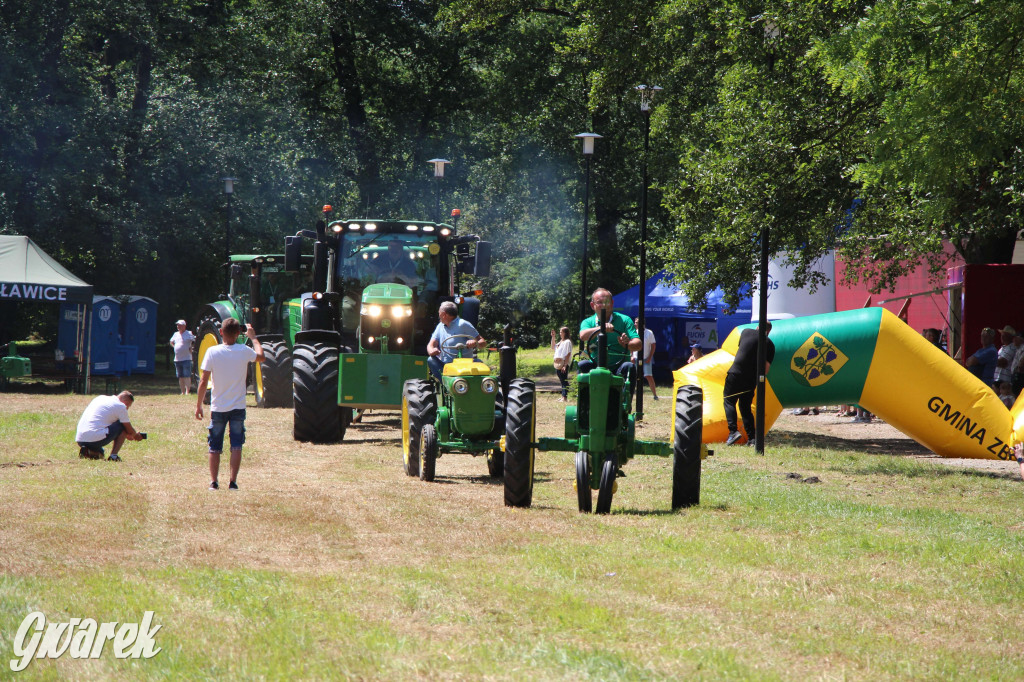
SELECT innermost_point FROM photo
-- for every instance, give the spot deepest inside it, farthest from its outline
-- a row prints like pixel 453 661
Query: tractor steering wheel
pixel 456 347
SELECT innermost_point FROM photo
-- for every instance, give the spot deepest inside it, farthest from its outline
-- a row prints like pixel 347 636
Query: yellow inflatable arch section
pixel 872 358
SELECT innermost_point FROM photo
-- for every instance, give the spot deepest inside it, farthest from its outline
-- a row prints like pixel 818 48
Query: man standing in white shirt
pixel 648 365
pixel 181 342
pixel 228 364
pixel 104 421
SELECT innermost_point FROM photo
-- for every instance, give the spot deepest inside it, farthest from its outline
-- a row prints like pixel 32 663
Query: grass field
pixel 331 563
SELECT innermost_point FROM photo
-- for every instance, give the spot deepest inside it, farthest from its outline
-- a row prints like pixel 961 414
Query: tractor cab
pixel 260 286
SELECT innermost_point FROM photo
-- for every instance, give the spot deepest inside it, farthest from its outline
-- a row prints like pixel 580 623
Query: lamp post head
pixel 588 142
pixel 771 30
pixel 229 185
pixel 439 165
pixel 647 93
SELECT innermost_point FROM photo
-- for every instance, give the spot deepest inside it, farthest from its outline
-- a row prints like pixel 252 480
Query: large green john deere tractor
pixel 600 429
pixel 362 331
pixel 475 411
pixel 259 288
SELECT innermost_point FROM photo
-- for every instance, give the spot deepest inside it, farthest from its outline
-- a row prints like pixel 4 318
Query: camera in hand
pixel 143 435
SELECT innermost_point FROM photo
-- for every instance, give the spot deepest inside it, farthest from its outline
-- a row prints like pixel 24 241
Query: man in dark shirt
pixel 741 382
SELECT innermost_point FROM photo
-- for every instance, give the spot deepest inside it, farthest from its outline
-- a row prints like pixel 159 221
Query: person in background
pixel 1017 367
pixel 648 361
pixel 983 363
pixel 1006 394
pixel 1004 358
pixel 696 353
pixel 104 421
pixel 228 365
pixel 562 346
pixel 181 342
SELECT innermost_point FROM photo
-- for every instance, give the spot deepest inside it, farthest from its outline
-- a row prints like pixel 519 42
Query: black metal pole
pixel 762 341
pixel 586 215
pixel 642 330
pixel 227 233
pixel 437 207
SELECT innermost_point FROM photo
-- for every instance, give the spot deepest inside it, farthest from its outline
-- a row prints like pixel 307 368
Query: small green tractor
pixel 475 411
pixel 362 330
pixel 600 429
pixel 258 292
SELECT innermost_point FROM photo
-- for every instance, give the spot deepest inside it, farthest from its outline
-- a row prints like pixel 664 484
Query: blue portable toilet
pixel 138 328
pixel 106 320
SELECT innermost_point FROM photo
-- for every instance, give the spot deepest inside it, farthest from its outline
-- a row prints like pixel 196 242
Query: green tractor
pixel 259 289
pixel 479 413
pixel 600 428
pixel 362 331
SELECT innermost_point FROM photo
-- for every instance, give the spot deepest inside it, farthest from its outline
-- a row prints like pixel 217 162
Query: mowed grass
pixel 331 563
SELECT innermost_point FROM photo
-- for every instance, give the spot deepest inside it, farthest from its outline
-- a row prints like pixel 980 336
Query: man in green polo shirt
pixel 622 336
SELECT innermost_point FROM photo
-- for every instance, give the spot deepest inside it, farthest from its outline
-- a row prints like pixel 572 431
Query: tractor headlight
pixel 373 311
pixel 460 386
pixel 489 385
pixel 397 311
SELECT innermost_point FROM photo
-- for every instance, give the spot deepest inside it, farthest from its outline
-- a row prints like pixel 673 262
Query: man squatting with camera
pixel 105 421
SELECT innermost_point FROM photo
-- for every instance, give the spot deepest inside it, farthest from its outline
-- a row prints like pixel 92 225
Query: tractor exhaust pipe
pixel 506 361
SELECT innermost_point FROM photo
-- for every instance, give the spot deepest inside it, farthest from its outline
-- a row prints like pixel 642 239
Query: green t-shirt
pixel 623 325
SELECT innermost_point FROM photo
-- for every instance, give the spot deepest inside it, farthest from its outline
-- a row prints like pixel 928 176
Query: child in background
pixel 1006 394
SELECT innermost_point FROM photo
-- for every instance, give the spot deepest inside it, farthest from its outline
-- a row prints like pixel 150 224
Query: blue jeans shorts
pixel 219 421
pixel 183 369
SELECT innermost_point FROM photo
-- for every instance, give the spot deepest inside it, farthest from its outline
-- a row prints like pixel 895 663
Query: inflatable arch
pixel 872 358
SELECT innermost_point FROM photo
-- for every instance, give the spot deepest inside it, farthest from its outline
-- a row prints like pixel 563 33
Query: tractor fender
pixel 222 309
pixel 328 337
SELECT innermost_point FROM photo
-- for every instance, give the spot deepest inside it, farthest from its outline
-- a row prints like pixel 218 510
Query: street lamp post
pixel 771 32
pixel 647 93
pixel 588 151
pixel 439 165
pixel 229 190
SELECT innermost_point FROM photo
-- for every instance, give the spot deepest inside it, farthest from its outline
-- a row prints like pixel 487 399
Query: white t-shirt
pixel 182 342
pixel 229 366
pixel 563 349
pixel 648 343
pixel 103 411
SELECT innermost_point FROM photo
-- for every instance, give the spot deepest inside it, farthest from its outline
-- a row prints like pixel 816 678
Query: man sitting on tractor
pixel 450 331
pixel 618 327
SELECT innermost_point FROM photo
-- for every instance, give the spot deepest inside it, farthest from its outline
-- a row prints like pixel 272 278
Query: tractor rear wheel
pixel 583 494
pixel 428 452
pixel 317 417
pixel 276 372
pixel 207 336
pixel 686 447
pixel 607 488
pixel 520 433
pixel 419 408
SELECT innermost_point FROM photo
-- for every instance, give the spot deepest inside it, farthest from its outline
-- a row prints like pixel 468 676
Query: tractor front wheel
pixel 583 481
pixel 276 372
pixel 520 432
pixel 428 452
pixel 607 488
pixel 207 336
pixel 686 447
pixel 317 418
pixel 419 408
pixel 496 463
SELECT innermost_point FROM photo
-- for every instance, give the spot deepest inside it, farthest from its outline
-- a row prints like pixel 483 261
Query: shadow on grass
pixel 877 446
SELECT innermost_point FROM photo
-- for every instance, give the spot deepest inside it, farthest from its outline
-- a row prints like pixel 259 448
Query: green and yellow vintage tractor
pixel 476 411
pixel 362 330
pixel 600 428
pixel 258 291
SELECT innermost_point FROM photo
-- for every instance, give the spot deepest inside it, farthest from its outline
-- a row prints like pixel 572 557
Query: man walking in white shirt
pixel 228 365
